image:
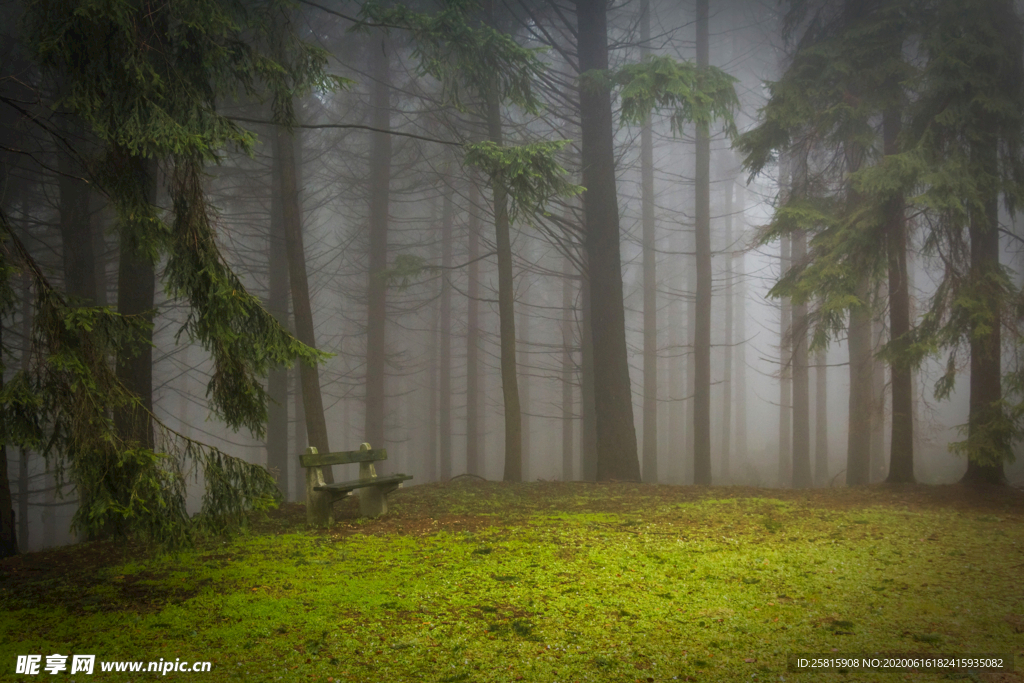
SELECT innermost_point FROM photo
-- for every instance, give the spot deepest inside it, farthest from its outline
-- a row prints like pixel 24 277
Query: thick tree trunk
pixel 613 400
pixel 650 416
pixel 445 416
pixel 75 227
pixel 901 453
pixel 702 232
pixel 136 283
pixel 821 418
pixel 277 304
pixel 312 401
pixel 567 370
pixel 988 443
pixel 801 381
pixel 379 182
pixel 474 464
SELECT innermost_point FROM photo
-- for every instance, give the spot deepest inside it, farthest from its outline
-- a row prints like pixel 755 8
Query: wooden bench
pixel 320 496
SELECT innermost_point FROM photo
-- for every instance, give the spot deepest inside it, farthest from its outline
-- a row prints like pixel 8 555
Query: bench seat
pixel 345 487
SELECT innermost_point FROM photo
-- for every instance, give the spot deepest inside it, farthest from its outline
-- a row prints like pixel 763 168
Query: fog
pixel 399 247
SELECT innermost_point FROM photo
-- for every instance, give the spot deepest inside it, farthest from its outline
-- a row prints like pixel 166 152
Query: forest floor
pixel 547 581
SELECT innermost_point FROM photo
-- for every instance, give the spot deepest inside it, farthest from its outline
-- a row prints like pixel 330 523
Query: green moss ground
pixel 549 582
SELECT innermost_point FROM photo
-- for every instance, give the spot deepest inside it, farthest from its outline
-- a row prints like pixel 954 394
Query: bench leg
pixel 319 504
pixel 373 501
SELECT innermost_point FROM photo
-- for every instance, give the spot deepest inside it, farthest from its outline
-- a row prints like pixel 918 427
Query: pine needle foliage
pixel 688 93
pixel 529 173
pixel 467 57
pixel 961 96
pixel 147 78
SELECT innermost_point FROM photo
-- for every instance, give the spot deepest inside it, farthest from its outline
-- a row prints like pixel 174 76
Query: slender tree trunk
pixel 858 444
pixel 301 433
pixel 740 350
pixel 801 383
pixel 567 370
pixel 689 367
pixel 312 401
pixel 728 348
pixel 702 231
pixel 473 395
pixel 522 367
pixel 650 417
pixel 821 418
pixel 447 224
pixel 785 376
pixel 513 470
pixel 277 304
pixel 613 401
pixel 988 444
pixel 376 288
pixel 433 403
pixel 901 454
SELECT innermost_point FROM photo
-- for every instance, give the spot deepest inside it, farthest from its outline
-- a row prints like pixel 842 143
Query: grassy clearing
pixel 549 582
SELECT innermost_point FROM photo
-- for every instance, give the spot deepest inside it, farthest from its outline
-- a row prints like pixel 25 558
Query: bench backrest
pixel 365 454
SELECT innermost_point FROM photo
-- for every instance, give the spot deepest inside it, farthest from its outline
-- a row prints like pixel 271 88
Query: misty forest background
pixel 756 252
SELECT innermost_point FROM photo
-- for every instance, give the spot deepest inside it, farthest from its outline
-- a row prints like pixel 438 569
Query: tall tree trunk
pixel 588 423
pixel 445 426
pixel 740 350
pixel 702 233
pixel 23 476
pixel 878 412
pixel 989 446
pixel 513 465
pixel 301 432
pixel 513 469
pixel 277 304
pixel 474 465
pixel 785 375
pixel 8 523
pixel 376 287
pixel 821 418
pixel 613 400
pixel 858 443
pixel 567 370
pixel 522 367
pixel 312 401
pixel 136 283
pixel 901 453
pixel 650 416
pixel 432 401
pixel 75 227
pixel 727 344
pixel 801 384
